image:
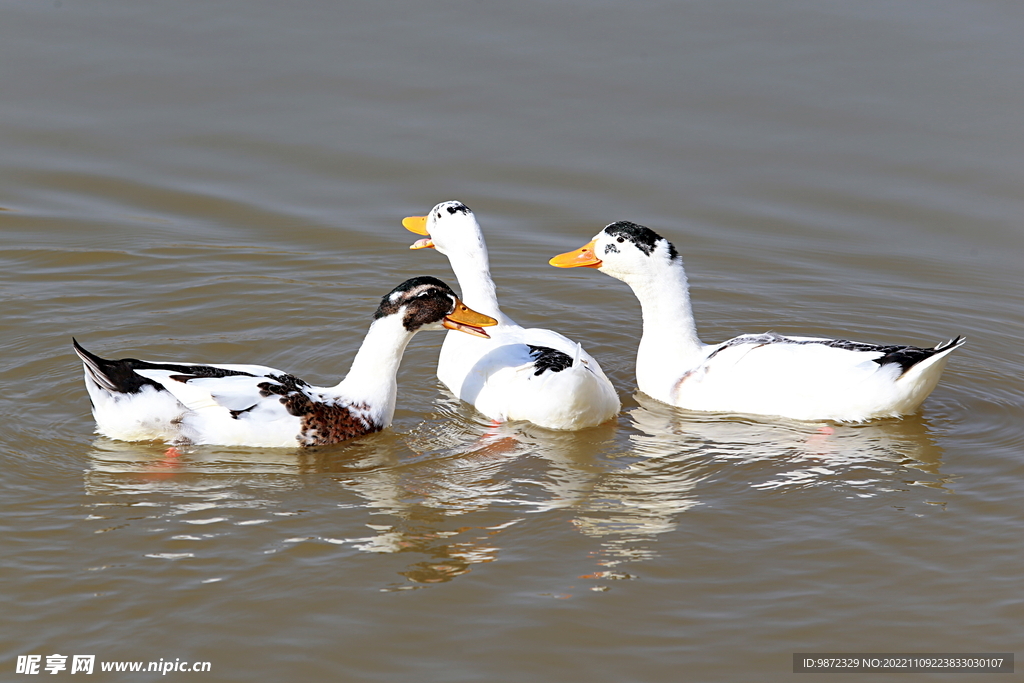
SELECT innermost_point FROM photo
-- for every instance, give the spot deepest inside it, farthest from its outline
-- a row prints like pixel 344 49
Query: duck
pixel 768 374
pixel 254 405
pixel 530 374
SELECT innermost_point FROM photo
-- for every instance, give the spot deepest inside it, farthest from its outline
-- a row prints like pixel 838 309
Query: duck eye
pixel 621 240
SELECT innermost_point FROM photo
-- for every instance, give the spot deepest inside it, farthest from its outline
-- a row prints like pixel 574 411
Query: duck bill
pixel 465 319
pixel 418 225
pixel 583 257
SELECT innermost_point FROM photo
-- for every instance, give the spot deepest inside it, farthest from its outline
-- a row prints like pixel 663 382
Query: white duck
pixel 253 405
pixel 804 378
pixel 518 374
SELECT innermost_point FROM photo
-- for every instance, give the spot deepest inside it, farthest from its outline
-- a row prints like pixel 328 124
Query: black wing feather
pixel 547 358
pixel 120 376
pixel 904 355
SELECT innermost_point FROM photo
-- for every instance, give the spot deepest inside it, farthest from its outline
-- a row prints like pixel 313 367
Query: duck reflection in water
pixel 456 491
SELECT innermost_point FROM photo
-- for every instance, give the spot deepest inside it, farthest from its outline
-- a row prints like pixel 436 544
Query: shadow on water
pixel 452 489
pixel 818 450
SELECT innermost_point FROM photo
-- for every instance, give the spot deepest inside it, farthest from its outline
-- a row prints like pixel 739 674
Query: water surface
pixel 226 184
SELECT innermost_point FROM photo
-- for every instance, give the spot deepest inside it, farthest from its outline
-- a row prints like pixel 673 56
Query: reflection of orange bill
pixel 584 256
pixel 465 319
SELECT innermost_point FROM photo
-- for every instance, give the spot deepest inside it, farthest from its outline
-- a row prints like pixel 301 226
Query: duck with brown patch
pixel 254 405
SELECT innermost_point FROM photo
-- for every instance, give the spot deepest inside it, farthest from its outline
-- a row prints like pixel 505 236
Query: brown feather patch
pixel 323 423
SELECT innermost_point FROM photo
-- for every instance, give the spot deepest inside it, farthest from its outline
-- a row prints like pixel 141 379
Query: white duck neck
pixel 472 270
pixel 669 340
pixel 373 377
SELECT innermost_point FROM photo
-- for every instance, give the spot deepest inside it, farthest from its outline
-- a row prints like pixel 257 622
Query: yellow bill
pixel 418 225
pixel 465 319
pixel 584 256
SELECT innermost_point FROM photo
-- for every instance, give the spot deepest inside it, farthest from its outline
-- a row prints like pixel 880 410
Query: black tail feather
pixel 909 356
pixel 117 376
pixel 959 340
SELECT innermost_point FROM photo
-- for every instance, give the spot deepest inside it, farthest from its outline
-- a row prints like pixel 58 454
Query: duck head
pixel 426 303
pixel 450 227
pixel 623 250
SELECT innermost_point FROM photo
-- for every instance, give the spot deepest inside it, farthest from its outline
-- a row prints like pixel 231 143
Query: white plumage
pixel 519 373
pixel 254 405
pixel 805 378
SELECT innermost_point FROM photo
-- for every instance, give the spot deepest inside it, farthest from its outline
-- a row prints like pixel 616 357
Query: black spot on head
pixel 645 239
pixel 611 248
pixel 457 207
pixel 426 300
pixel 452 207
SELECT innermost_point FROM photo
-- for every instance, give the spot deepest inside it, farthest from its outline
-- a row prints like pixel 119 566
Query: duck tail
pixel 115 376
pixel 918 362
pixel 954 343
pixel 94 366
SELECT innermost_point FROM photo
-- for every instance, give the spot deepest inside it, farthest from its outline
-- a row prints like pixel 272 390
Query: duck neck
pixel 472 270
pixel 373 377
pixel 669 343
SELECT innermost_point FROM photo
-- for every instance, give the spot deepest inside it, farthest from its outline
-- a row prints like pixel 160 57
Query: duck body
pixel 255 405
pixel 803 378
pixel 528 374
pixel 228 405
pixel 518 373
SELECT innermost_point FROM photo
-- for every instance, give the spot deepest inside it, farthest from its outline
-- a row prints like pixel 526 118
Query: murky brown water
pixel 225 183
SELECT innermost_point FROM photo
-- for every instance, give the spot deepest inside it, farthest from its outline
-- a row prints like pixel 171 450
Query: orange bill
pixel 584 256
pixel 465 319
pixel 418 225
